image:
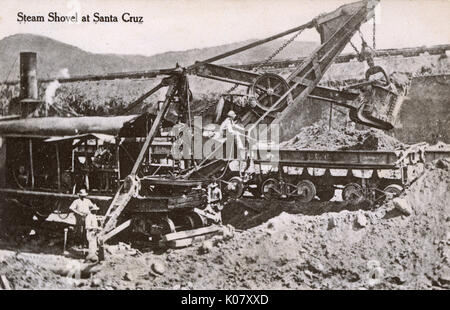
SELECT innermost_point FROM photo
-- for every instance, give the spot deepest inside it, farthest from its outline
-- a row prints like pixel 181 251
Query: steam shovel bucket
pixel 379 109
pixel 380 103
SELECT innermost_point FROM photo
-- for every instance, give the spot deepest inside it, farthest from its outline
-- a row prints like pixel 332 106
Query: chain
pixel 264 63
pixel 362 38
pixel 232 88
pixel 354 47
pixel 364 41
pixel 374 34
pixel 211 104
pixel 269 59
pixel 281 48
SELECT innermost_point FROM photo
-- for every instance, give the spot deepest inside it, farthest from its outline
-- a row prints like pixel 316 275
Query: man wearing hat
pixel 81 208
pixel 228 127
pixel 228 124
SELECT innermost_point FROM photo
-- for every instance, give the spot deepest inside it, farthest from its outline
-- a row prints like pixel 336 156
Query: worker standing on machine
pixel 228 127
pixel 228 124
pixel 81 208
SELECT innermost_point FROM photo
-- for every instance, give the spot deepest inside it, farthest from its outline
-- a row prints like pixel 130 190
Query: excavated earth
pixel 281 245
pixel 320 136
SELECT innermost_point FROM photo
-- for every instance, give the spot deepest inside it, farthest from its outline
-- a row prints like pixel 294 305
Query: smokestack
pixel 28 76
pixel 29 100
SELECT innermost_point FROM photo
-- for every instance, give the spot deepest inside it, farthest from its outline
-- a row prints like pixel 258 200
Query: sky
pixel 174 25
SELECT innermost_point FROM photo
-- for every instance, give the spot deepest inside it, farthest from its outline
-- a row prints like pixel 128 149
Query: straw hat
pixel 82 193
pixel 231 113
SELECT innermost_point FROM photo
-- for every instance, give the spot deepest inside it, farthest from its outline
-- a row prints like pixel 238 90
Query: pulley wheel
pixel 268 89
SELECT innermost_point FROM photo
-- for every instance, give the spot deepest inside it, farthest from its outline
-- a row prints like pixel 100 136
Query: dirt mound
pixel 350 249
pixel 248 213
pixel 439 146
pixel 320 137
pixel 33 271
pixel 285 245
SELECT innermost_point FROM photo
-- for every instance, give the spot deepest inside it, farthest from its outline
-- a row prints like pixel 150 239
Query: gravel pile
pixel 319 137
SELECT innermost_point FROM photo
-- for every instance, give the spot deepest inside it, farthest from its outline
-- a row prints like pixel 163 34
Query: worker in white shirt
pixel 228 127
pixel 228 124
pixel 92 228
pixel 81 208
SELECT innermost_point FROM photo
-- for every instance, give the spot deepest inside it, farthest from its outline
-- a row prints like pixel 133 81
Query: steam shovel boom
pixel 130 186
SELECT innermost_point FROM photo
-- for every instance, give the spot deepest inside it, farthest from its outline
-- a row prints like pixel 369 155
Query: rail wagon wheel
pixel 392 190
pixel 352 191
pixel 271 189
pixel 189 222
pixel 305 192
pixel 185 222
pixel 199 221
pixel 167 226
pixel 235 188
pixel 267 89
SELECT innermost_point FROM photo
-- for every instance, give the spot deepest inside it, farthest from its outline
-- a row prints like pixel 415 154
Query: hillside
pixel 54 55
